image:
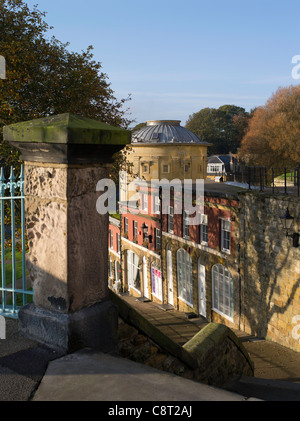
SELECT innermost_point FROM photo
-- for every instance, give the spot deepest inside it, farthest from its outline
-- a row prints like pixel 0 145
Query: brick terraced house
pixel 236 266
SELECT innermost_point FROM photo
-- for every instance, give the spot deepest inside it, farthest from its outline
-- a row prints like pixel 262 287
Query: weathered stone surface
pixel 270 281
pixel 66 260
pixel 94 327
pixel 213 357
pixel 47 260
pixel 65 157
pixel 66 129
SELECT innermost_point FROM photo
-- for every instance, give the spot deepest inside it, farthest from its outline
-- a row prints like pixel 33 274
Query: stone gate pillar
pixel 64 158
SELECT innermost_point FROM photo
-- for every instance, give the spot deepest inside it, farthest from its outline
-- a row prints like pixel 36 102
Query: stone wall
pixel 136 346
pixel 270 269
pixel 219 354
pixel 214 356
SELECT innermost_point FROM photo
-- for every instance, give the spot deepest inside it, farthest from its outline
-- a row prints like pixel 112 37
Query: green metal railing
pixel 14 290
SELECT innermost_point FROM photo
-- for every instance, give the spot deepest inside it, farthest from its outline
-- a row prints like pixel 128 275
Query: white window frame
pixel 133 270
pixel 110 268
pixel 126 225
pixel 204 231
pixel 157 239
pixel 145 202
pixel 171 219
pixel 185 225
pixel 185 277
pixel 135 229
pixel 156 204
pixel 225 235
pixel 117 273
pixel 215 168
pixel 222 291
pixel 111 239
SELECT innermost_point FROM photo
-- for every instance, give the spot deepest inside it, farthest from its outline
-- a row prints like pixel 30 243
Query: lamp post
pixel 287 222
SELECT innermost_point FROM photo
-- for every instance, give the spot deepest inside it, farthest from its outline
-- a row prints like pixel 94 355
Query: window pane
pixel 184 273
pixel 203 233
pixel 222 290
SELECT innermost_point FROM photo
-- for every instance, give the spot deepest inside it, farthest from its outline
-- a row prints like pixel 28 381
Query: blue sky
pixel 177 57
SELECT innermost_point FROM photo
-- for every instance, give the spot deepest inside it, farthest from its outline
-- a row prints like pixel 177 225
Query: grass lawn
pixel 8 278
pixel 8 266
pixel 289 176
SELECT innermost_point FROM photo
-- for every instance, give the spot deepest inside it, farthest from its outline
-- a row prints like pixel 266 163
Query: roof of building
pixel 165 131
pixel 216 159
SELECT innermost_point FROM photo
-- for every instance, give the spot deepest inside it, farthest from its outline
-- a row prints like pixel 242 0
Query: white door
pixel 170 278
pixel 201 290
pixel 145 278
pixel 133 271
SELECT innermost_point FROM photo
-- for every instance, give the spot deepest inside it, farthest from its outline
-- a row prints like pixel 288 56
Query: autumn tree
pixel 273 138
pixel 138 127
pixel 224 127
pixel 44 78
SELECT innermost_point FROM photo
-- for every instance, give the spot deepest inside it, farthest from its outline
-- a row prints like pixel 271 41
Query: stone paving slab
pixel 93 376
pixel 172 323
pixel 274 361
pixel 23 363
pixel 271 360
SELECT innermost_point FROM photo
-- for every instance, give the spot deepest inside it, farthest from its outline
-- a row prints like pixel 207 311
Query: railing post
pixel 249 177
pixel 285 189
pixel 3 275
pixel 64 158
pixel 260 179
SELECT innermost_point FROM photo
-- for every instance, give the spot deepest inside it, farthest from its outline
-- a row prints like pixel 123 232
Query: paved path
pixel 271 361
pixel 90 375
pixel 94 376
pixel 172 323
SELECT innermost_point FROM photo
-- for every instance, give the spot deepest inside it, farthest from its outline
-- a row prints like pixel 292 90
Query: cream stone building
pixel 163 149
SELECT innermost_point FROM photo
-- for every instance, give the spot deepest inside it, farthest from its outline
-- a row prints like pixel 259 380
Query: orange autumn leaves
pixel 273 136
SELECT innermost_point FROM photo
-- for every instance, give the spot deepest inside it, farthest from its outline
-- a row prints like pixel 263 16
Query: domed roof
pixel 164 131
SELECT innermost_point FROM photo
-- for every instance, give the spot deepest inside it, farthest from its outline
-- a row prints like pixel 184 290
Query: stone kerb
pixel 213 356
pixel 219 354
pixel 64 158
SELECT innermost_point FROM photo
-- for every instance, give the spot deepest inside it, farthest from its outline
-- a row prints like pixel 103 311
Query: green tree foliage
pixel 138 127
pixel 224 127
pixel 43 78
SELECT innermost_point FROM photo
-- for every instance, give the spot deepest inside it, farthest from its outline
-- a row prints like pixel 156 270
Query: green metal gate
pixel 14 289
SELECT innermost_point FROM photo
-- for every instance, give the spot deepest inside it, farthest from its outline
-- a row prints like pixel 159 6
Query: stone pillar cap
pixel 66 138
pixel 68 129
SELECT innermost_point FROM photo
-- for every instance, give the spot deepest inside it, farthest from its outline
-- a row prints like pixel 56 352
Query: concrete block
pixel 95 327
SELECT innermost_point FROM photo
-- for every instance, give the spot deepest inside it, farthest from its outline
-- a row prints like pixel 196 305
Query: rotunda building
pixel 163 149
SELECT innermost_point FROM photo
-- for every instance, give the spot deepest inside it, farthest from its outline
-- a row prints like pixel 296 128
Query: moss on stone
pixel 66 129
